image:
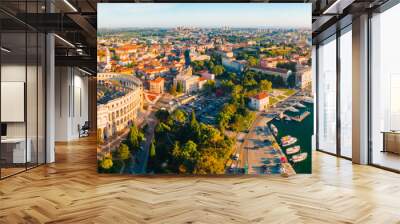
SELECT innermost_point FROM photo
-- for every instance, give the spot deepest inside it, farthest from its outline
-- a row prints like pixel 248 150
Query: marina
pixel 296 133
pixel 279 140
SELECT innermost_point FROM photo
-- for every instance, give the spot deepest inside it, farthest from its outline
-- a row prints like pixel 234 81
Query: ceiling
pixel 76 20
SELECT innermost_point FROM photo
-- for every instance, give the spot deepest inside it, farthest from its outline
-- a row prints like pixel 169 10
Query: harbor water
pixel 302 131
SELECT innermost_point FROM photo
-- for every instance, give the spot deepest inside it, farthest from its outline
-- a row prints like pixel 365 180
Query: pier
pixel 301 117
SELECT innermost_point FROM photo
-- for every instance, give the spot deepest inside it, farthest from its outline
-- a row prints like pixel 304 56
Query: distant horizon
pixel 197 27
pixel 213 15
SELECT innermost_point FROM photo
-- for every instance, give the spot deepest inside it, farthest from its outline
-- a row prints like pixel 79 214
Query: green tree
pixel 249 83
pixel 193 120
pixel 179 116
pixel 135 137
pixel 210 135
pixel 106 162
pixel 162 115
pixel 187 57
pixel 227 86
pixel 210 65
pixel 162 128
pixel 152 150
pixel 252 61
pixel 231 76
pixel 209 163
pixel 197 65
pixel 218 70
pixel 176 149
pixel 288 65
pixel 189 151
pixel 291 81
pixel 179 87
pixel 236 93
pixel 194 127
pixel 209 86
pixel 265 85
pixel 242 56
pixel 115 57
pixel 223 121
pixel 124 152
pixel 172 90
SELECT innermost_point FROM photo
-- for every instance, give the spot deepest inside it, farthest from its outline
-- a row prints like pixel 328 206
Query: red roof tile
pixel 260 96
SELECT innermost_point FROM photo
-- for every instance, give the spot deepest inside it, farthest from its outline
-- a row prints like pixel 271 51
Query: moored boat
pixel 308 100
pixel 299 157
pixel 274 130
pixel 300 105
pixel 293 150
pixel 288 140
pixel 292 109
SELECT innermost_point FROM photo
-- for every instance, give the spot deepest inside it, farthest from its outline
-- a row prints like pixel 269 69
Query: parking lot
pixel 205 107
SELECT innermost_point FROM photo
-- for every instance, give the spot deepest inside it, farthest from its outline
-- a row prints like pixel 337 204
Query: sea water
pixel 302 131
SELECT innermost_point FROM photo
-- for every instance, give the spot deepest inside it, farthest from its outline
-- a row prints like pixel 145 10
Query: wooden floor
pixel 70 191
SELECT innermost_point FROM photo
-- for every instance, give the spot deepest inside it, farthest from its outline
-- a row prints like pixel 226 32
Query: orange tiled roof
pixel 127 47
pixel 157 80
pixel 260 96
pixel 101 52
pixel 202 79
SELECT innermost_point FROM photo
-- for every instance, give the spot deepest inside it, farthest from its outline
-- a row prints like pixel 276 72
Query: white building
pixel 234 65
pixel 303 78
pixel 114 115
pixel 259 102
pixel 205 74
pixel 190 83
pixel 202 57
pixel 284 73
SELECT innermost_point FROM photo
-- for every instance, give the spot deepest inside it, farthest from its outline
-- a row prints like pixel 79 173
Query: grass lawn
pixel 287 92
pixel 272 101
pixel 281 97
pixel 290 92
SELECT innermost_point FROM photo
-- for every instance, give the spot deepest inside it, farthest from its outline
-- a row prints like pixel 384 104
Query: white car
pixel 236 156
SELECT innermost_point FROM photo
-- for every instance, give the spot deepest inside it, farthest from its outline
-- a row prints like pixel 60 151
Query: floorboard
pixel 71 191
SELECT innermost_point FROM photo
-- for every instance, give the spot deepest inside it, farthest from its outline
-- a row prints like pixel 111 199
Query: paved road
pixel 243 151
pixel 140 160
pixel 143 156
pixel 258 150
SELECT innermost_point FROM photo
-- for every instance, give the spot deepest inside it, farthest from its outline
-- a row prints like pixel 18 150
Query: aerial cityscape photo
pixel 204 88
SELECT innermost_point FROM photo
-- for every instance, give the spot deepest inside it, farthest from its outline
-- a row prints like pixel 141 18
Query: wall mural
pixel 204 88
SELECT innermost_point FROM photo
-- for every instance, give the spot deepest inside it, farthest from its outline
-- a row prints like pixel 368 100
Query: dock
pixel 301 117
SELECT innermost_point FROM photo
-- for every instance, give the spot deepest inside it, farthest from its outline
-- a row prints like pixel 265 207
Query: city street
pixel 258 150
pixel 140 160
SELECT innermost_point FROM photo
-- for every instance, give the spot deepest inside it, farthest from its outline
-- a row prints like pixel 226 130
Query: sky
pixel 167 15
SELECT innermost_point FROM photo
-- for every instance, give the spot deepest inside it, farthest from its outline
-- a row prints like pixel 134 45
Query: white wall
pixel 71 102
pixel 12 73
pixel 33 126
